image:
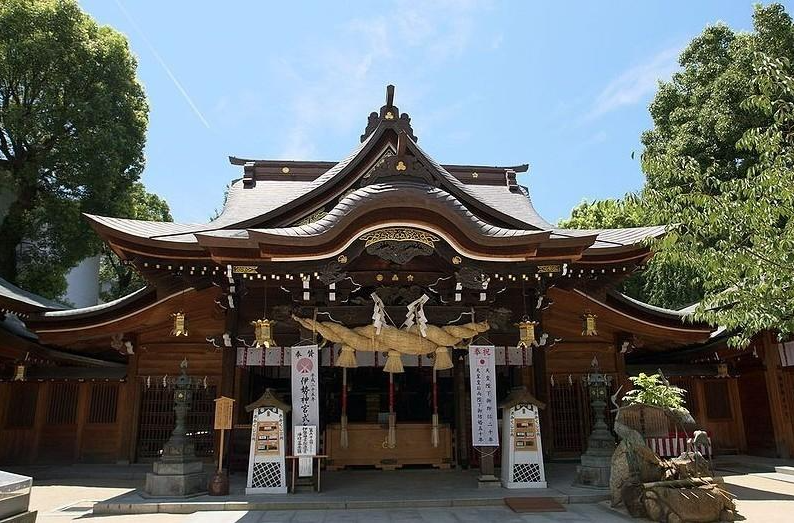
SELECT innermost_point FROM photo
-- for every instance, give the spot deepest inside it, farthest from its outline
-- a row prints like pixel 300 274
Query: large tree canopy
pixel 720 171
pixel 72 129
pixel 115 277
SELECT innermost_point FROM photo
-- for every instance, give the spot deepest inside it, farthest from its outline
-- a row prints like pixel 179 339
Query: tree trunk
pixel 12 229
pixel 11 235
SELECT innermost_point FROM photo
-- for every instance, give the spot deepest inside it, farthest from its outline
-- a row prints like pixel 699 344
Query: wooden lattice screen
pixel 63 403
pixel 157 421
pixel 570 415
pixel 104 398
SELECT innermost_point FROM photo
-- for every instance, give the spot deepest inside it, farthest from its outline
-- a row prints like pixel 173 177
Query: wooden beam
pixel 781 417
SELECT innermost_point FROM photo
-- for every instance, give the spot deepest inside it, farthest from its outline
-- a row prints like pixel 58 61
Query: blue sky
pixel 563 86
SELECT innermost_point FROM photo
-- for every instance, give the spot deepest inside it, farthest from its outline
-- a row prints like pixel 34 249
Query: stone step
pixel 786 470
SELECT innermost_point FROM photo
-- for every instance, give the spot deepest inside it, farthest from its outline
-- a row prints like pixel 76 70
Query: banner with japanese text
pixel 305 386
pixel 482 374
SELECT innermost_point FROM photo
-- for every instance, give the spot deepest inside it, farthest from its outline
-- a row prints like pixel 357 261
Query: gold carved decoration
pixel 246 270
pixel 550 268
pixel 342 259
pixel 398 234
pixel 456 260
pixel 400 166
pixel 389 115
pixel 314 217
pixel 379 277
pixel 285 170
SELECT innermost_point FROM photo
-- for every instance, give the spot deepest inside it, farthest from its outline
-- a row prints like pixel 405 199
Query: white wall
pixel 83 283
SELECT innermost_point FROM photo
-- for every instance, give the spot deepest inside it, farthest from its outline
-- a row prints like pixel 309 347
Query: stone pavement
pixel 759 499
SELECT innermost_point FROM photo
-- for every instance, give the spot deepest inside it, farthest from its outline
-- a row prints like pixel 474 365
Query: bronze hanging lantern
pixel 590 328
pixel 526 334
pixel 263 333
pixel 20 372
pixel 180 324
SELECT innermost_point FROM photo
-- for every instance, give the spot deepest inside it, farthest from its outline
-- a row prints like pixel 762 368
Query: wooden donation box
pixel 368 446
pixel 266 467
pixel 522 451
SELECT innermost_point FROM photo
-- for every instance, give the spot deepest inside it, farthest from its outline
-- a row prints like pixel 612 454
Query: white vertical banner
pixel 482 375
pixel 305 387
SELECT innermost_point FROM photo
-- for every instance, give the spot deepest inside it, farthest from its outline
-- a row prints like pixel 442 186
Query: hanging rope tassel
pixel 343 441
pixel 347 358
pixel 394 363
pixel 391 439
pixel 434 432
pixel 443 360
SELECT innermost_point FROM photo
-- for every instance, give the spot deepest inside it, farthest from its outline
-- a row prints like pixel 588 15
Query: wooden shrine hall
pixel 356 256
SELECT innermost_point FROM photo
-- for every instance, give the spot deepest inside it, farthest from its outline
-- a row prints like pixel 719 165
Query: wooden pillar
pixel 461 422
pixel 129 406
pixel 542 394
pixel 738 416
pixel 779 408
pixel 42 404
pixel 83 398
pixel 228 363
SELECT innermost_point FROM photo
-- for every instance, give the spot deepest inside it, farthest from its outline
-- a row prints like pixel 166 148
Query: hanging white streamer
pixel 416 315
pixel 378 313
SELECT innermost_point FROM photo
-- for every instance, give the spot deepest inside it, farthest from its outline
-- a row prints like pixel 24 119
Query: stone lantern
pixel 596 462
pixel 178 472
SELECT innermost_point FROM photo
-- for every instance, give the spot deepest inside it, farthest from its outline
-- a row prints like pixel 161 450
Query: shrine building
pixel 394 264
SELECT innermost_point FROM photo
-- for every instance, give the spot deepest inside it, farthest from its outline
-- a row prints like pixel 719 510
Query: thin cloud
pixel 635 84
pixel 163 64
pixel 339 77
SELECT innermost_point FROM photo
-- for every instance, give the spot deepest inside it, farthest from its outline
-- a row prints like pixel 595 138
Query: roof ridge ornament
pixel 389 114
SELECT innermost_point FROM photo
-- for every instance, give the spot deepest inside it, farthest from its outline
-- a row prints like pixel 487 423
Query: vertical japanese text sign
pixel 482 374
pixel 305 387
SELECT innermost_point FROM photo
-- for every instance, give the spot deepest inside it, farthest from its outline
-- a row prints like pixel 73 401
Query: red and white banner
pixel 482 375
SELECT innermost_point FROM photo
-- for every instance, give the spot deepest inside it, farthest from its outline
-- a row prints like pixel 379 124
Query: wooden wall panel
pixel 163 358
pixel 572 357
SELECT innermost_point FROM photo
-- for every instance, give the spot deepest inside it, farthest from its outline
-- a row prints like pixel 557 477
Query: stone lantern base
pixel 176 479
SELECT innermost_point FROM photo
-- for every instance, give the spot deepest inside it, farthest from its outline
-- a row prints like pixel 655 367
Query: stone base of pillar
pixel 488 482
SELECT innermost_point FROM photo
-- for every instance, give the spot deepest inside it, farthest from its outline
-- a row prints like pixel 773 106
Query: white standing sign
pixel 305 388
pixel 304 442
pixel 482 374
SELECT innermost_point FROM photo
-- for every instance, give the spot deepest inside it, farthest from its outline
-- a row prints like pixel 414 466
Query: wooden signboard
pixel 224 407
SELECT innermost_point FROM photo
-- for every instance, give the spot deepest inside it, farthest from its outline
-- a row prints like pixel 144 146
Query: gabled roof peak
pixel 389 114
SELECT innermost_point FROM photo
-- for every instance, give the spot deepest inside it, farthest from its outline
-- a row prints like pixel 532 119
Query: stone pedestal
pixel 181 479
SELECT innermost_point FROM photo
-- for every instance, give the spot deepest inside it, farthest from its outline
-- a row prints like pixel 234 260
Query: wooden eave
pixel 570 305
pixel 63 329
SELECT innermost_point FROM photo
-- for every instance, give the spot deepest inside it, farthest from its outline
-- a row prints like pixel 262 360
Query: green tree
pixel 720 170
pixel 72 129
pixel 117 278
pixel 663 283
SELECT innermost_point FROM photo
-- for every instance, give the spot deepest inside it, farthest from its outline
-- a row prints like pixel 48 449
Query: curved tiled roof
pixel 16 299
pixel 405 190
